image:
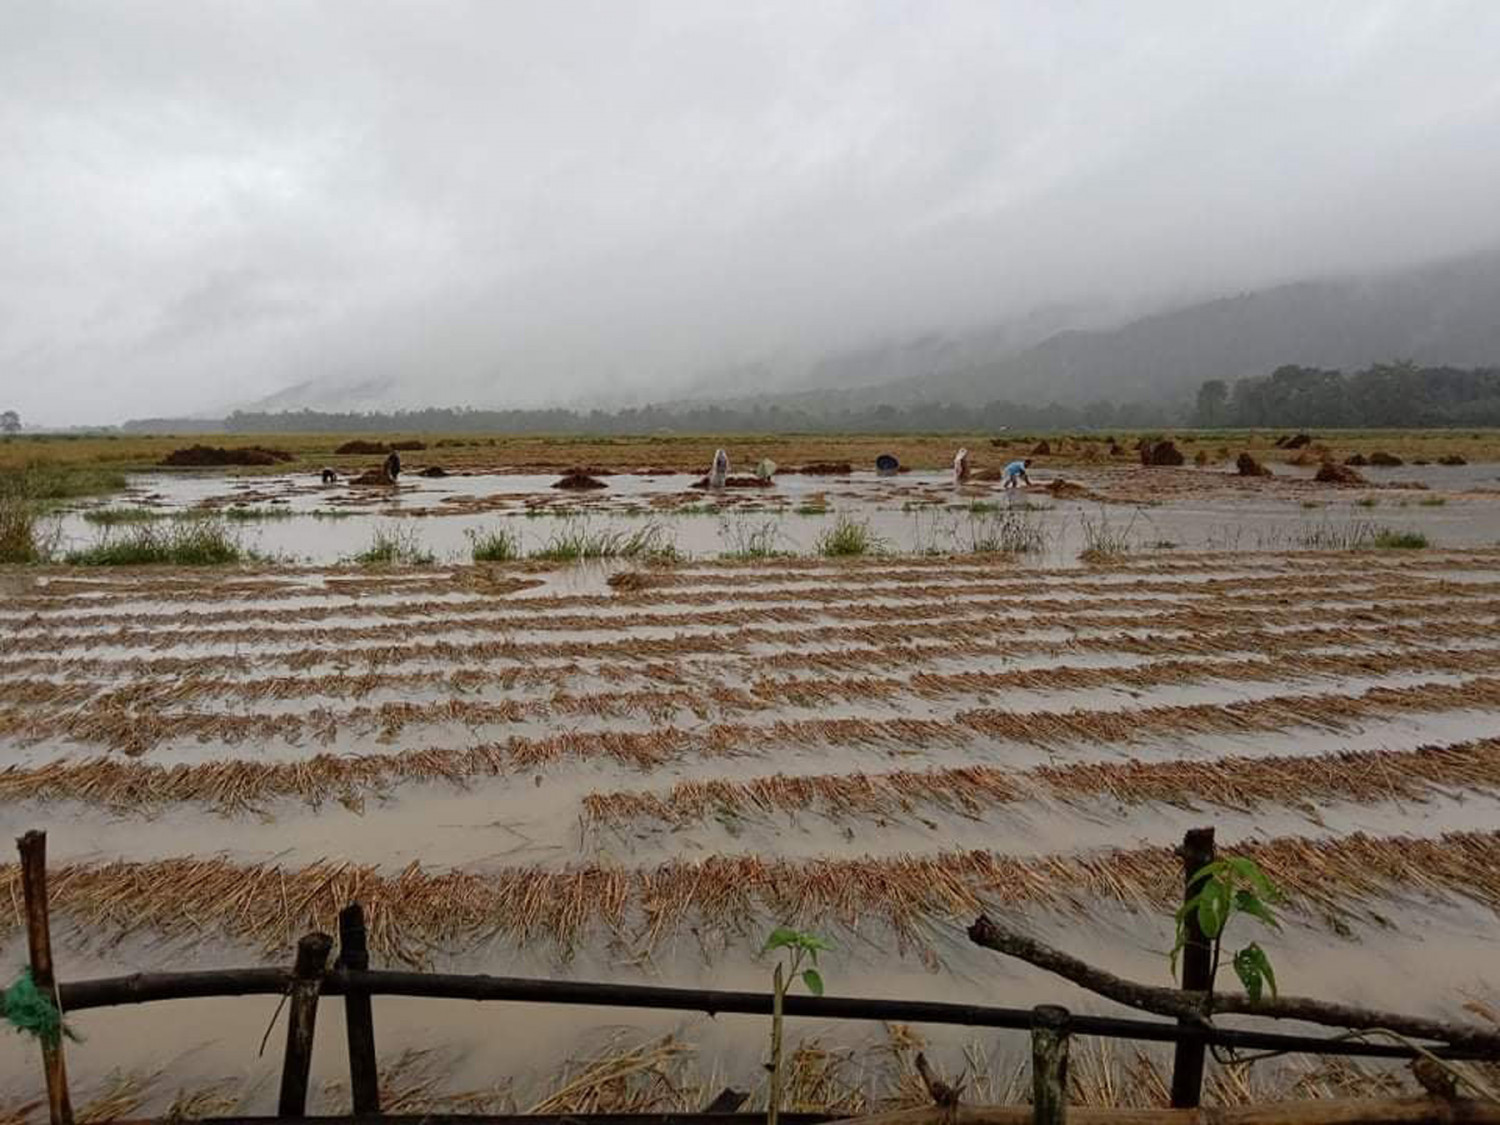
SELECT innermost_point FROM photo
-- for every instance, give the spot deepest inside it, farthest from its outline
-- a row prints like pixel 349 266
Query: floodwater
pixel 301 520
pixel 786 671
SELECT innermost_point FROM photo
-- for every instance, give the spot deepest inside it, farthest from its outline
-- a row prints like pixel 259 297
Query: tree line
pixel 938 417
pixel 1381 396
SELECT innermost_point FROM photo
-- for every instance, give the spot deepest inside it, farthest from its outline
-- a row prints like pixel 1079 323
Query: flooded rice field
pixel 633 769
pixel 299 519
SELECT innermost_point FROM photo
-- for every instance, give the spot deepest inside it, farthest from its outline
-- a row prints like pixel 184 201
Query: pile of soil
pixel 1452 459
pixel 1067 490
pixel 1385 460
pixel 1161 453
pixel 198 455
pixel 1115 450
pixel 1296 442
pixel 433 471
pixel 410 446
pixel 1041 449
pixel 1330 473
pixel 736 482
pixel 1248 466
pixel 825 469
pixel 576 480
pixel 1356 459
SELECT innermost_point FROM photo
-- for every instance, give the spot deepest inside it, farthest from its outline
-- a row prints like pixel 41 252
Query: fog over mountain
pixel 352 204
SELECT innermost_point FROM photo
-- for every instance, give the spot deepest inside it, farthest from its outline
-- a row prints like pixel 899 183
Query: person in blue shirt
pixel 1015 471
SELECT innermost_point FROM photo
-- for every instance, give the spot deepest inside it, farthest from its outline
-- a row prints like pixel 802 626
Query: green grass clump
pixel 24 538
pixel 1433 501
pixel 114 517
pixel 191 542
pixel 848 538
pixel 495 546
pixel 1367 501
pixel 1390 540
pixel 395 546
pixel 63 482
pixel 575 542
pixel 810 509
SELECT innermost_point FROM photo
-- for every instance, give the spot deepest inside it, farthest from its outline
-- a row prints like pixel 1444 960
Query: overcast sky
pixel 202 203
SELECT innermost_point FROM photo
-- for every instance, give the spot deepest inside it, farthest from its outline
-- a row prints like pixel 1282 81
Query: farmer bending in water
pixel 1015 470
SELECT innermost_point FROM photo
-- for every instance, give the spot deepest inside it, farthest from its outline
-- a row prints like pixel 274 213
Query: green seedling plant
pixel 1219 892
pixel 795 947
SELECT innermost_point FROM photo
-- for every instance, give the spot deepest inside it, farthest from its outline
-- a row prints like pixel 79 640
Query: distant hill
pixel 1445 314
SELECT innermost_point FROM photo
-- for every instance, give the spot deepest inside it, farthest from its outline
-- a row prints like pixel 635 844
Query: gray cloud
pixel 206 202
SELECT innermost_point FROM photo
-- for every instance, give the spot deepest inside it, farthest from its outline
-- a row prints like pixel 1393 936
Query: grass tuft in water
pixel 1005 532
pixel 1391 540
pixel 575 542
pixel 1105 541
pixel 395 546
pixel 200 541
pixel 499 545
pixel 848 538
pixel 751 539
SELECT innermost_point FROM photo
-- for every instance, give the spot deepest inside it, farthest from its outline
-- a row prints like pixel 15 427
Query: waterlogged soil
pixel 298 519
pixel 517 710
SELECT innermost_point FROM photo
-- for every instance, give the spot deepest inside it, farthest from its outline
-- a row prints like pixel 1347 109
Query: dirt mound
pixel 1115 449
pixel 1042 448
pixel 1295 442
pixel 1331 473
pixel 1451 459
pixel 576 480
pixel 359 445
pixel 433 471
pixel 1068 490
pixel 198 455
pixel 1385 460
pixel 1356 459
pixel 1248 466
pixel 625 581
pixel 736 482
pixel 825 469
pixel 1161 453
pixel 411 446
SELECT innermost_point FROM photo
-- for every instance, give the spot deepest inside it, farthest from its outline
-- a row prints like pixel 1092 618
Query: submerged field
pixel 632 769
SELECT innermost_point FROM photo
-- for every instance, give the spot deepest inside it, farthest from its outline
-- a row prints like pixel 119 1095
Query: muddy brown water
pixel 1409 948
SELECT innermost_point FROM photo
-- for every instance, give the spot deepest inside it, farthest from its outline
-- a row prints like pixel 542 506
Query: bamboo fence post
pixel 359 1019
pixel 1197 974
pixel 1049 1064
pixel 33 849
pixel 302 1016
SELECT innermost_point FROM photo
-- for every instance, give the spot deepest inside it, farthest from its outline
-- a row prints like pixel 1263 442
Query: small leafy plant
pixel 1225 888
pixel 795 947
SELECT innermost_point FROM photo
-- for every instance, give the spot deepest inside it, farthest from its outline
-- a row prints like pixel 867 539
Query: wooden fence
pixel 310 978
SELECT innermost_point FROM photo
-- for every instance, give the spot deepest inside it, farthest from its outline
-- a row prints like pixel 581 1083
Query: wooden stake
pixel 1049 1065
pixel 302 1017
pixel 359 1019
pixel 33 849
pixel 1197 974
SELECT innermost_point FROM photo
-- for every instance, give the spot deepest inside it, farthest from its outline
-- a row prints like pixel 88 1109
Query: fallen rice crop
pixel 1238 783
pixel 411 912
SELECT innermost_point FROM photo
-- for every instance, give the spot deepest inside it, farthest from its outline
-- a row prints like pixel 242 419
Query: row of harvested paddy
pixel 632 773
